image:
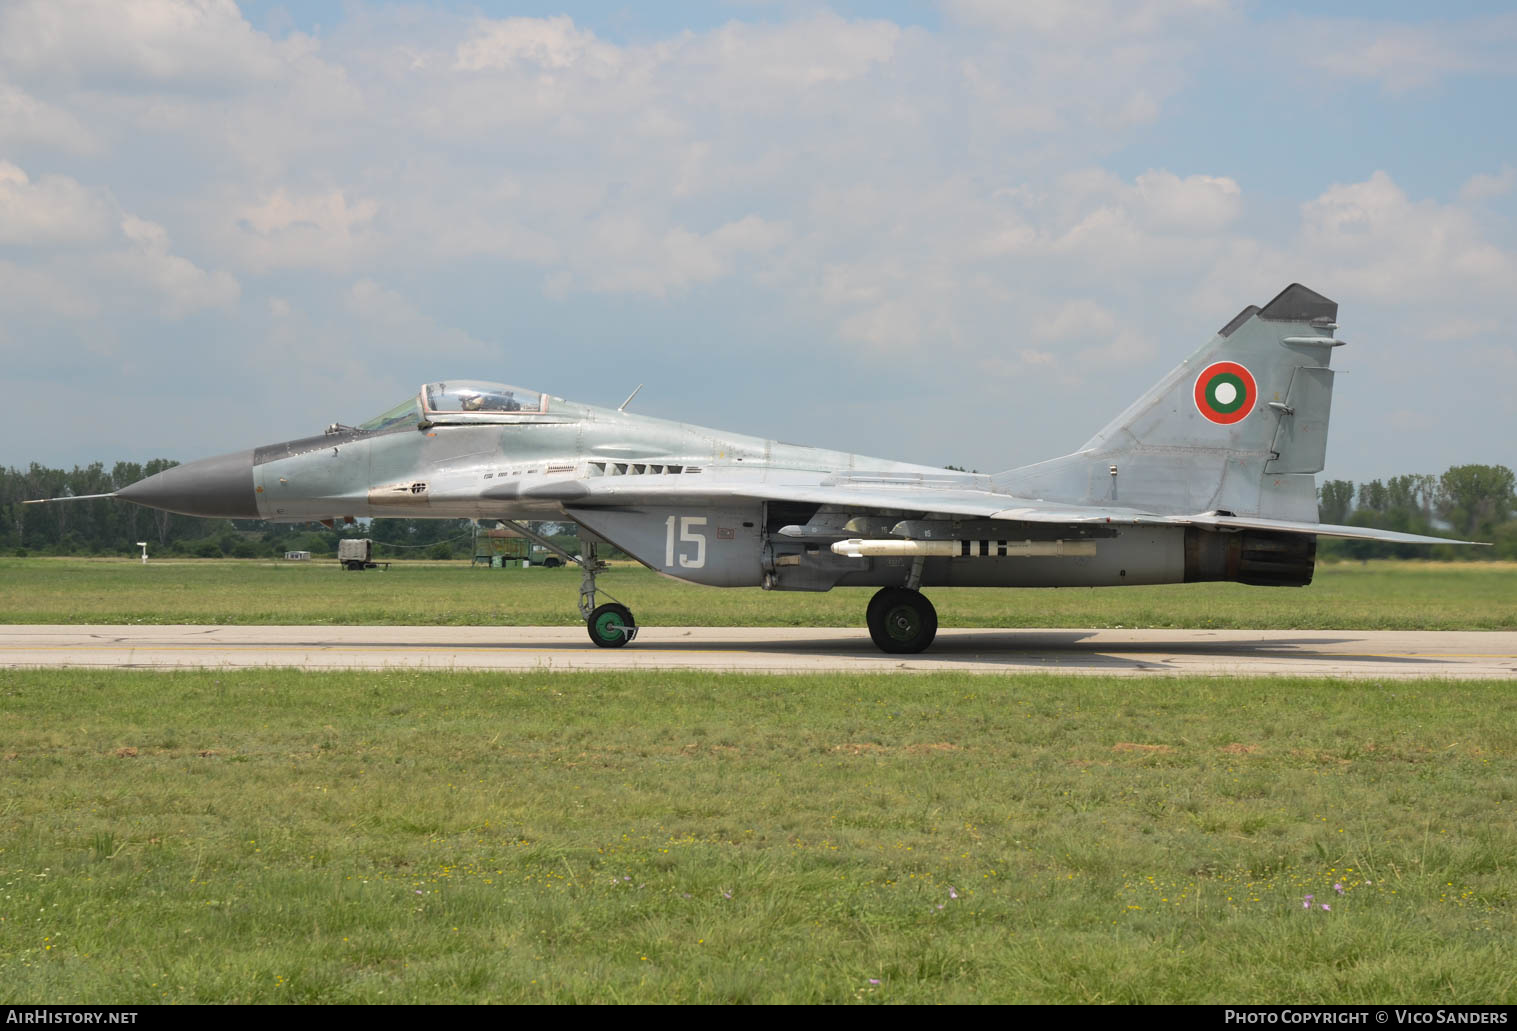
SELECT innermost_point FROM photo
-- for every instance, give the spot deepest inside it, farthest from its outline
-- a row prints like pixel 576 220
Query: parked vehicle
pixel 356 554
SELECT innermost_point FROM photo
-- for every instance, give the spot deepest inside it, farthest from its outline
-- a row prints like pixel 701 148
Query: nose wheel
pixel 611 626
pixel 901 621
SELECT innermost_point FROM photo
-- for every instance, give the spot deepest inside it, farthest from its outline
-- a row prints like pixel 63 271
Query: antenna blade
pixel 623 406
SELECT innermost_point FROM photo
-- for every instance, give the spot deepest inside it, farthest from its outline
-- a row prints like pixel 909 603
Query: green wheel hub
pixel 903 622
pixel 609 627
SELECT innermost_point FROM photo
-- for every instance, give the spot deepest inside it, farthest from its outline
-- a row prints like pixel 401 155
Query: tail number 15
pixel 688 534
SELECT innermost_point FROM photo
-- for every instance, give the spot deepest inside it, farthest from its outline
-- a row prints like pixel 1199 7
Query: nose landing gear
pixel 610 625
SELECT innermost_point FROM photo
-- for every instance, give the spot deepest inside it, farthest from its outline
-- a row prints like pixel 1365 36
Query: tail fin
pixel 1239 427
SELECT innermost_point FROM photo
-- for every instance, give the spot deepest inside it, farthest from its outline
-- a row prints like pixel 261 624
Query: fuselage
pixel 694 518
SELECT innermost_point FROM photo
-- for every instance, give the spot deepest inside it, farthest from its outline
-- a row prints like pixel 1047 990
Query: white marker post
pixel 143 546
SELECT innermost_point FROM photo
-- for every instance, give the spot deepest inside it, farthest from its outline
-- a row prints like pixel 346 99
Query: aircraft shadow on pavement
pixel 1042 649
pixel 1034 648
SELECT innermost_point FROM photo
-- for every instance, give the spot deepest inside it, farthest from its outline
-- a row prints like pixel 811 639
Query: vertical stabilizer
pixel 1238 427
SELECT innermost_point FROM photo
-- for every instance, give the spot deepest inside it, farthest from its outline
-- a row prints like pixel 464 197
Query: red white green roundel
pixel 1226 392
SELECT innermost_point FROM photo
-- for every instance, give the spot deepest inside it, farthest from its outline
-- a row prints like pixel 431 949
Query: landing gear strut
pixel 610 625
pixel 901 620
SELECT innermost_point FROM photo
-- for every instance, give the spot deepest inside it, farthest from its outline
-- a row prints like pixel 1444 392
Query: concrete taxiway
pixel 1338 653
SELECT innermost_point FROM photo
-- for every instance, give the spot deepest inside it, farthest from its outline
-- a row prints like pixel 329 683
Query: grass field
pixel 395 836
pixel 277 836
pixel 1381 595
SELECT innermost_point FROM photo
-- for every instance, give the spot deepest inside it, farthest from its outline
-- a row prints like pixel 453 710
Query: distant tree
pixel 1427 488
pixel 1474 497
pixel 1335 500
pixel 1373 497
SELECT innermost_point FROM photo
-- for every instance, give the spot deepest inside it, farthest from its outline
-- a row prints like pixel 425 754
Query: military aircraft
pixel 1208 476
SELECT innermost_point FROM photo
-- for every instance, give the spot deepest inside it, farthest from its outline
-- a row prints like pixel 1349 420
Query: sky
pixel 962 233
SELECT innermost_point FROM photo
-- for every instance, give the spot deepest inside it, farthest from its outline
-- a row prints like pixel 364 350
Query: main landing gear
pixel 610 625
pixel 901 620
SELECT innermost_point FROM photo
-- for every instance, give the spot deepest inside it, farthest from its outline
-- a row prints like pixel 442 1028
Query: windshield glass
pixel 468 396
pixel 407 413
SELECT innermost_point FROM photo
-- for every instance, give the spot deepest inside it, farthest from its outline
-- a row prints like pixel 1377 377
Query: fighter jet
pixel 1208 476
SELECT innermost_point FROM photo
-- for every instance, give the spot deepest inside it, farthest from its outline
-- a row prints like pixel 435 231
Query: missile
pixel 856 548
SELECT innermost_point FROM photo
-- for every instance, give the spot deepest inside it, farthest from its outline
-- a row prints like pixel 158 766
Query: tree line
pixel 1472 502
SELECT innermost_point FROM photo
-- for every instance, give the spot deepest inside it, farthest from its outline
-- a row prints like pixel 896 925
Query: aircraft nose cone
pixel 220 487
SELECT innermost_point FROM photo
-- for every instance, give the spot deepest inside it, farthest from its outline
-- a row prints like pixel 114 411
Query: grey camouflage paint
pixel 1169 494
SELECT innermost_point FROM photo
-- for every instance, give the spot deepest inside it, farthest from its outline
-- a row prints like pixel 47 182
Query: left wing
pixel 954 497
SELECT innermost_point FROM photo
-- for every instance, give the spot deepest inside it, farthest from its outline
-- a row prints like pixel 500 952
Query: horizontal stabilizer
pixel 1359 533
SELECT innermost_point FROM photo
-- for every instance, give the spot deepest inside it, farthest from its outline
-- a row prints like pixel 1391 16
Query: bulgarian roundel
pixel 1226 392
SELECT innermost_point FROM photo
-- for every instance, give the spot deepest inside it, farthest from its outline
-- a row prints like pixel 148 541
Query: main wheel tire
pixel 901 621
pixel 611 626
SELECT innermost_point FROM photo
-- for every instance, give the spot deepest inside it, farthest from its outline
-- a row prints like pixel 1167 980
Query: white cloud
pixel 180 43
pixel 1406 57
pixel 543 45
pixel 1380 242
pixel 189 79
pixel 302 231
pixel 1157 200
pixel 624 254
pixel 84 247
pixel 45 291
pixel 1079 319
pixel 394 324
pixel 379 330
pixel 1085 19
pixel 1197 203
pixel 1159 220
pixel 53 210
pixel 791 57
pixel 180 286
pixel 1091 339
pixel 1483 186
pixel 26 121
pixel 888 329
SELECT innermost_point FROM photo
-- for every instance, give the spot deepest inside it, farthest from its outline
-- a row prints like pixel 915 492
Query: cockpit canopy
pixel 459 400
pixel 464 396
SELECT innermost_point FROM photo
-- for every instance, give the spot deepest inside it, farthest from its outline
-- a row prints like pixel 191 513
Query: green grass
pixel 273 836
pixel 1381 595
